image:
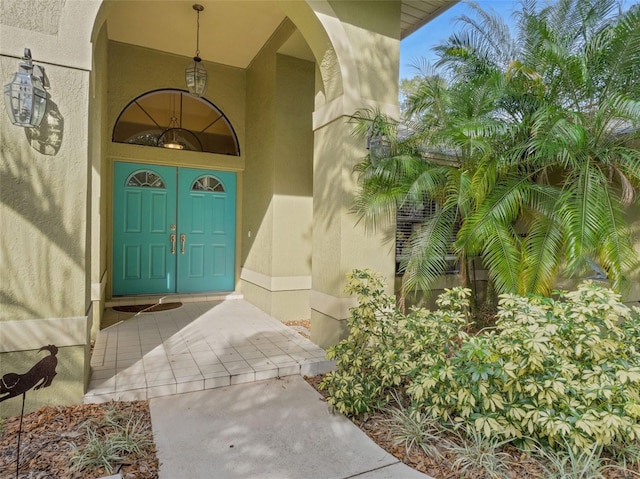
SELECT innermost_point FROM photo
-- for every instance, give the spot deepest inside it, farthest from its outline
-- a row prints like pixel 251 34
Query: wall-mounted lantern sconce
pixel 25 97
pixel 378 144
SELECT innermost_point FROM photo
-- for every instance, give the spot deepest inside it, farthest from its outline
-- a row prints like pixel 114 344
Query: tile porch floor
pixel 201 345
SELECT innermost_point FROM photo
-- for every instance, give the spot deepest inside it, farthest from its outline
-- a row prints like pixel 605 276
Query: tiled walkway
pixel 200 345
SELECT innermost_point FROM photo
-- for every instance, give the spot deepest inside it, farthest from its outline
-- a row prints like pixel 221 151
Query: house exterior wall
pixel 44 203
pixel 372 29
pixel 366 38
pixel 98 148
pixel 632 294
pixel 276 265
pixel 134 70
pixel 295 171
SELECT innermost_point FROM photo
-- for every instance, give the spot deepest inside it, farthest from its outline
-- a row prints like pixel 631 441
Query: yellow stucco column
pixel 340 244
pixel 366 46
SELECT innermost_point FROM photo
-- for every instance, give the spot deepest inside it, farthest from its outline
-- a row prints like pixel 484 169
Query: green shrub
pixel 558 371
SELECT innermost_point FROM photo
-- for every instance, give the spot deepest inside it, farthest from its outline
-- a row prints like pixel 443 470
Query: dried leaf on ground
pixel 49 435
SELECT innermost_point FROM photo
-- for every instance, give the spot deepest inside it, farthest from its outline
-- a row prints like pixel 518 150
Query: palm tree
pixel 540 126
pixel 431 166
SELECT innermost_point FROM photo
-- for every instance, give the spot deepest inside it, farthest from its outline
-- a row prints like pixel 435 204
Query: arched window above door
pixel 174 119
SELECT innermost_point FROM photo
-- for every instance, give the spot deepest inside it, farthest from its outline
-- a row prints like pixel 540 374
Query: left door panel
pixel 144 231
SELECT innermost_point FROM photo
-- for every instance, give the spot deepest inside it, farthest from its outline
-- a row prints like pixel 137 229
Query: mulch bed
pixel 523 466
pixel 301 326
pixel 50 434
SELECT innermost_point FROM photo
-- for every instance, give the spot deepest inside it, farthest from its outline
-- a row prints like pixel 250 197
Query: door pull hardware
pixel 183 240
pixel 172 238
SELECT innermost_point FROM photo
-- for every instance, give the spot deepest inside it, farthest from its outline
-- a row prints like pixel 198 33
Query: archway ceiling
pixel 232 32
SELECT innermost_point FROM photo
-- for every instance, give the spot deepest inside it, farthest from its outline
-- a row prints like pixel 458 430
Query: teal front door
pixel 206 217
pixel 173 230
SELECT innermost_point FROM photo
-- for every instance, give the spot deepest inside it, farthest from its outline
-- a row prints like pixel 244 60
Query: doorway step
pixel 200 345
pixel 171 298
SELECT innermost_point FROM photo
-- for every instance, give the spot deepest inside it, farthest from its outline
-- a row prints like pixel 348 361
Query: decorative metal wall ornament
pixel 39 376
pixel 196 75
pixel 25 97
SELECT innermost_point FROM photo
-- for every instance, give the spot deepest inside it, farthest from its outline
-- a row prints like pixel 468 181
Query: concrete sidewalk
pixel 274 429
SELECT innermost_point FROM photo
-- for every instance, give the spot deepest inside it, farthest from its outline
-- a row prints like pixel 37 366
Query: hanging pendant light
pixel 169 137
pixel 196 75
pixel 172 131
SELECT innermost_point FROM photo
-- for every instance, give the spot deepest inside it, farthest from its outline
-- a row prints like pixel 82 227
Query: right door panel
pixel 206 223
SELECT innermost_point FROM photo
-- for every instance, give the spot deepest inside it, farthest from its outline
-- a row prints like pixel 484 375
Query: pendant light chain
pixel 198 33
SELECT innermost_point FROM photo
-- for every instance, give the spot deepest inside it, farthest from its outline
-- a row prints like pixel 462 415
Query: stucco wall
pixel 369 66
pixel 44 200
pixel 293 181
pixel 44 237
pixel 98 144
pixel 51 28
pixel 632 294
pixel 373 31
pixel 66 388
pixel 278 196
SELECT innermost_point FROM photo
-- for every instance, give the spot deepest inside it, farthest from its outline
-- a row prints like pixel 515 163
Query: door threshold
pixel 172 298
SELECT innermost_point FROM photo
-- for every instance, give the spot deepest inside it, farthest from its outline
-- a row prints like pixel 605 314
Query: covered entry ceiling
pixel 231 32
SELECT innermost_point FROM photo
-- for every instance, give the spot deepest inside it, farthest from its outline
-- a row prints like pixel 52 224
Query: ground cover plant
pixel 557 379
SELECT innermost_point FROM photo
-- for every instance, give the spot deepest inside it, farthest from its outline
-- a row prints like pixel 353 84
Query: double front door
pixel 173 230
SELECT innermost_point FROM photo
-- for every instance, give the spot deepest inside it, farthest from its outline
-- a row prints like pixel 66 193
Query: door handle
pixel 183 240
pixel 172 238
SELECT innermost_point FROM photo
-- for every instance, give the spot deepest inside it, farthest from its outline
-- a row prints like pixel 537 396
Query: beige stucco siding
pixel 43 198
pixel 44 202
pixel 367 47
pixel 57 31
pixel 98 147
pixel 278 197
pixel 293 185
pixel 66 388
pixel 372 30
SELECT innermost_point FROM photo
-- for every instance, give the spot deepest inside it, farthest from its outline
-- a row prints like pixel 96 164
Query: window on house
pixel 175 119
pixel 409 218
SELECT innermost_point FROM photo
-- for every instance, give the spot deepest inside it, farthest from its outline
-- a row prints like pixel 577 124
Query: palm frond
pixel 501 255
pixel 542 255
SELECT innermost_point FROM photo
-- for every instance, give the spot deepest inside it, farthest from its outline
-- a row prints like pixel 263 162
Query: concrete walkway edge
pixel 273 429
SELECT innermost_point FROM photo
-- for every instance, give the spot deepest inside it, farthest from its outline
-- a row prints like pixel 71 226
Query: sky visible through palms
pixel 418 46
